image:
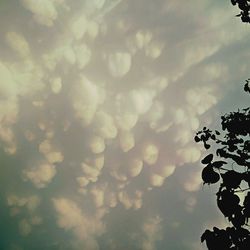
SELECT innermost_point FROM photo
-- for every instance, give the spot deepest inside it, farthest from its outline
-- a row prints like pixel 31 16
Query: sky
pixel 99 104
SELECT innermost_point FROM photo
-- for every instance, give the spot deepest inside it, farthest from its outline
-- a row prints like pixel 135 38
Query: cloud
pixel 104 125
pixel 154 50
pixel 56 85
pixel 83 55
pixel 24 227
pixel 137 101
pixel 130 202
pixel 189 154
pixel 97 196
pixel 126 120
pixel 91 173
pixel 30 202
pixel 193 182
pixel 139 40
pixel 119 63
pixel 153 232
pixel 50 152
pixel 25 209
pixel 18 43
pixel 71 217
pixel 40 175
pixel 85 100
pixel 79 27
pixel 126 140
pixel 135 166
pixel 156 180
pixel 97 144
pixel 150 153
pixel 44 12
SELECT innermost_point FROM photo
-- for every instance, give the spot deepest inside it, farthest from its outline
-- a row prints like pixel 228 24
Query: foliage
pixel 244 6
pixel 229 166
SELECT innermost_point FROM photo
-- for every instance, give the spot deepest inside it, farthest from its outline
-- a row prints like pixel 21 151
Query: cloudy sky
pixel 99 103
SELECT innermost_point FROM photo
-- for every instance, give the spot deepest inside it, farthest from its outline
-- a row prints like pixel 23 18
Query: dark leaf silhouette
pixel 238 219
pixel 231 179
pixel 207 159
pixel 233 2
pixel 246 177
pixel 197 139
pixel 216 239
pixel 217 132
pixel 209 176
pixel 246 203
pixel 218 164
pixel 247 87
pixel 227 202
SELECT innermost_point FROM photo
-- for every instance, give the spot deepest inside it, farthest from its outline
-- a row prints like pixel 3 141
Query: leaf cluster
pixel 229 166
pixel 244 6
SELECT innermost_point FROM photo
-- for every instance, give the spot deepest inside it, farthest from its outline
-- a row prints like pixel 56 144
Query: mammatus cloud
pixel 41 175
pixel 86 228
pixel 25 205
pixel 44 12
pixel 101 108
pixel 119 63
pixel 153 232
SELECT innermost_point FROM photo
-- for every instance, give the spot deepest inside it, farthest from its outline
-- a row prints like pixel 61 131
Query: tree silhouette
pixel 229 165
pixel 244 6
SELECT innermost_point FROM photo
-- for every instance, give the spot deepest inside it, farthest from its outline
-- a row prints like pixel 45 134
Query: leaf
pixel 232 179
pixel 246 177
pixel 218 164
pixel 233 2
pixel 217 132
pixel 197 139
pixel 209 176
pixel 205 235
pixel 207 159
pixel 238 220
pixel 221 153
pixel 227 202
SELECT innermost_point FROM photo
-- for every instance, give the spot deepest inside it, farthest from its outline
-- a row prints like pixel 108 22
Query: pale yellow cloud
pixel 150 153
pixel 152 230
pixel 104 125
pixel 71 217
pixel 18 43
pixel 78 26
pixel 126 140
pixel 44 11
pixel 84 97
pixel 40 175
pixel 119 63
pixel 193 182
pixel 56 85
pixel 135 166
pixel 24 227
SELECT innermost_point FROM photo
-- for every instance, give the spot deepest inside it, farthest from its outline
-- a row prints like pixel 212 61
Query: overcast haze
pixel 99 104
